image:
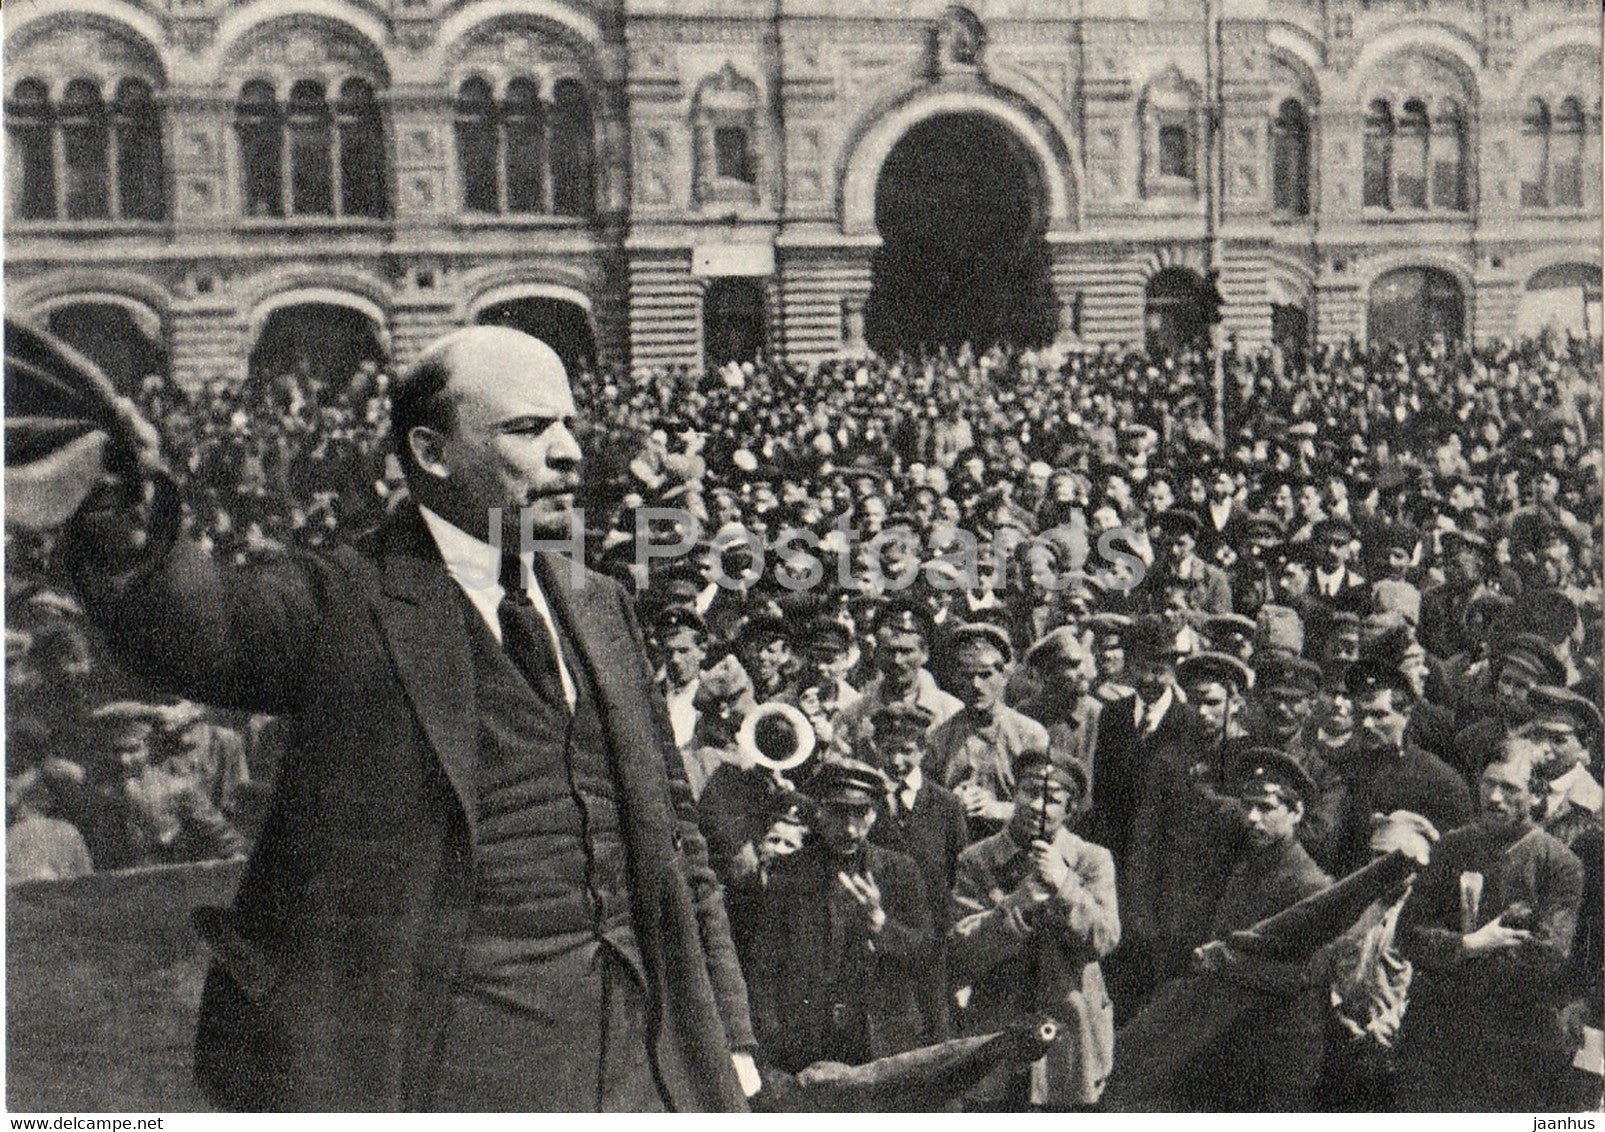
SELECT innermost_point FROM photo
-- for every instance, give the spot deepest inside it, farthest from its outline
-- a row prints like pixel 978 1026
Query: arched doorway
pixel 1564 298
pixel 564 326
pixel 324 344
pixel 960 208
pixel 1414 305
pixel 734 325
pixel 109 335
pixel 1173 312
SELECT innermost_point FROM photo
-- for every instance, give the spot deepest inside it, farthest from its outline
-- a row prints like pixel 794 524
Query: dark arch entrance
pixel 109 335
pixel 1173 312
pixel 322 342
pixel 959 205
pixel 562 325
pixel 1414 305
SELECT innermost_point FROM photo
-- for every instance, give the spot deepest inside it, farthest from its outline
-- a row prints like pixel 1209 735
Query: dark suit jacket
pixel 332 969
pixel 1121 763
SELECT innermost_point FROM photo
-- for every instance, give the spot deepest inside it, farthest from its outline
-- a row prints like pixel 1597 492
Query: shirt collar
pixel 474 564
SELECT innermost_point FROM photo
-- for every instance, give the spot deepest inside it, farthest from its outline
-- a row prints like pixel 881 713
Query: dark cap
pixel 1108 625
pixel 1214 667
pixel 1177 521
pixel 898 719
pixel 847 782
pixel 1037 763
pixel 1536 655
pixel 1401 536
pixel 826 632
pixel 975 633
pixel 1371 675
pixel 760 629
pixel 1548 613
pixel 1265 523
pixel 1282 670
pixel 1265 771
pixel 1332 525
pixel 1549 699
pixel 1060 645
pixel 676 618
pixel 1227 625
pixel 1149 637
pixel 904 616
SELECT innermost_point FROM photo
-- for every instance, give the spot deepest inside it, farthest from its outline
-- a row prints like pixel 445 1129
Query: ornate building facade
pixel 221 185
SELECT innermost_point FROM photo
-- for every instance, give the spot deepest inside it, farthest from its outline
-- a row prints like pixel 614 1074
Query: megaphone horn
pixel 775 736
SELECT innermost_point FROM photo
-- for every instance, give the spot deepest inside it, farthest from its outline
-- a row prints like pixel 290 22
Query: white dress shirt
pixel 476 567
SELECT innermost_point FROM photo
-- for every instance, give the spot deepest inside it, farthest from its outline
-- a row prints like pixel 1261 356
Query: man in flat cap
pixel 1383 771
pixel 767 653
pixel 902 631
pixel 1281 716
pixel 1497 703
pixel 1269 1059
pixel 679 638
pixel 843 938
pixel 1063 702
pixel 974 751
pixel 1490 926
pixel 925 820
pixel 1108 645
pixel 1034 911
pixel 827 654
pixel 134 806
pixel 1231 633
pixel 1179 570
pixel 1466 560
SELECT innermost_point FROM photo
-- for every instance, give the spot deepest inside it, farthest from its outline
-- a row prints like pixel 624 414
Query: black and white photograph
pixel 803 556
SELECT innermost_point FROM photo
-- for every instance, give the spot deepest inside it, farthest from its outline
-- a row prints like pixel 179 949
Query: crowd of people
pixel 1087 693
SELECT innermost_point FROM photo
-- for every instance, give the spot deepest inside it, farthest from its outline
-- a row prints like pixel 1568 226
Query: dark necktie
pixel 524 634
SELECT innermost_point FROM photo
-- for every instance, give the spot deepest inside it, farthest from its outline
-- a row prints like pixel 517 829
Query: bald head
pixel 483 420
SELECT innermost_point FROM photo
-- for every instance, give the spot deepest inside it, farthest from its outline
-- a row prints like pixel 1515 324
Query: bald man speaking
pixel 480 886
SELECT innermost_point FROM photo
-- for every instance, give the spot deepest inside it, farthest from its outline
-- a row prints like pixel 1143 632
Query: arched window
pixel 725 119
pixel 311 158
pixel 1290 159
pixel 524 144
pixel 1449 156
pixel 477 148
pixel 84 138
pixel 261 131
pixel 1566 156
pixel 1533 158
pixel 28 122
pixel 138 130
pixel 1378 175
pixel 573 152
pixel 1410 157
pixel 362 151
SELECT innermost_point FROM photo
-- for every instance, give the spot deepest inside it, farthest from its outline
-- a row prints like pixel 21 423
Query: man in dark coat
pixel 1490 926
pixel 1132 730
pixel 925 820
pixel 1263 1055
pixel 480 884
pixel 844 935
pixel 1384 772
